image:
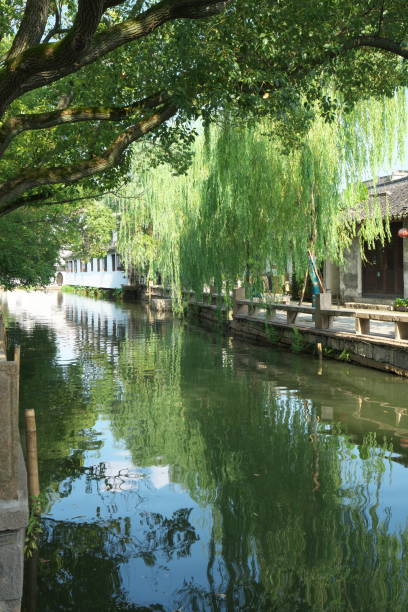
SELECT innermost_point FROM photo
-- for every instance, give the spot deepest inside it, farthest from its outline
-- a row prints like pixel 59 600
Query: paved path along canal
pixel 187 471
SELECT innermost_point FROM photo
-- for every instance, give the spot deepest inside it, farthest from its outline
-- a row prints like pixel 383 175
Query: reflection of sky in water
pixel 137 503
pixel 141 490
pixel 385 493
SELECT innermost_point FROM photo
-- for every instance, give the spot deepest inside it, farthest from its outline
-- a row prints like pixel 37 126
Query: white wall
pixel 103 280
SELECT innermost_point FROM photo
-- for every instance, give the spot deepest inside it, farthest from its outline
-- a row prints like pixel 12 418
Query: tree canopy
pixel 81 81
pixel 245 207
pixel 31 240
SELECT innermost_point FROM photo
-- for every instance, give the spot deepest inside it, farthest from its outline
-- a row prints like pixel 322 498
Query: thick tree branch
pixel 39 121
pixel 43 200
pixel 86 22
pixel 47 63
pixel 12 189
pixel 32 26
pixel 377 42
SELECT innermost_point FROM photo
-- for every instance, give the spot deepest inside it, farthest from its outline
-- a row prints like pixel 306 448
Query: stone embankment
pixel 370 337
pixel 13 484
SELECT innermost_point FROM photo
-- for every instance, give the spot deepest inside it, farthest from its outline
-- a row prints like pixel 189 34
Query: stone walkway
pixel 382 329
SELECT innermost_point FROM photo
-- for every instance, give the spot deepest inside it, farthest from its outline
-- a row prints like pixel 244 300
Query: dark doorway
pixel 383 268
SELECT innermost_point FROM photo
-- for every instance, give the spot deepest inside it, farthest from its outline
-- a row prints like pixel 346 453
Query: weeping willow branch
pixel 12 189
pixel 245 204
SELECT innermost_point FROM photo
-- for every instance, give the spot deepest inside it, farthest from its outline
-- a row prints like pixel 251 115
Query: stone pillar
pixel 239 294
pixel 9 434
pixel 13 489
pixel 323 302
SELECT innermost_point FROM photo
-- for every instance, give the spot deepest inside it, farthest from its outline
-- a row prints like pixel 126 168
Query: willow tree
pixel 80 81
pixel 246 205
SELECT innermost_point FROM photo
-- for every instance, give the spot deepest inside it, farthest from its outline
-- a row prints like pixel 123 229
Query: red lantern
pixel 403 232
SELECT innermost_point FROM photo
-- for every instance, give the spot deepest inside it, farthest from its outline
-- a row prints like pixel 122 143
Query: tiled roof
pixel 392 196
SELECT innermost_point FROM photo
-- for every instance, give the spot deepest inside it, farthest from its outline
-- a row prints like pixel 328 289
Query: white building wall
pixel 111 279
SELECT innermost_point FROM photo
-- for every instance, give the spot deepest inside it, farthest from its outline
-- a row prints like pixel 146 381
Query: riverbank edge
pixel 383 354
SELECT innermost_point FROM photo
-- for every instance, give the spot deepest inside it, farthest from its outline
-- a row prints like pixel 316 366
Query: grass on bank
pixel 94 292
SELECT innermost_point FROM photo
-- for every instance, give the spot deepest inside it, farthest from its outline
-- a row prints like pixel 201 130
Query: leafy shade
pixel 81 81
pixel 31 240
pixel 245 205
pixel 29 248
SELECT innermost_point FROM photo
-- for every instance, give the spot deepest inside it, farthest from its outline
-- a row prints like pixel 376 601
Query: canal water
pixel 187 471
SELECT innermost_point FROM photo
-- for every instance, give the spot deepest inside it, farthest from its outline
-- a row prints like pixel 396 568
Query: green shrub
pixel 271 333
pixel 401 304
pixel 298 344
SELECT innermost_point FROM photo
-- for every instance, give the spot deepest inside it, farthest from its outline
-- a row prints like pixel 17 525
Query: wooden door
pixel 383 268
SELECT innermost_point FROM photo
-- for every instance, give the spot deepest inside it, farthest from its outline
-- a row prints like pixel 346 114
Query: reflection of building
pixel 101 272
pixel 384 274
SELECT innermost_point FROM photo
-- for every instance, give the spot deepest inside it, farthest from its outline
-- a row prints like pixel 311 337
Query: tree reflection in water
pixel 299 517
pixel 84 559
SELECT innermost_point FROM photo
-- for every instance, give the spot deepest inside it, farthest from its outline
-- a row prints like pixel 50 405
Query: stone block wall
pixel 13 486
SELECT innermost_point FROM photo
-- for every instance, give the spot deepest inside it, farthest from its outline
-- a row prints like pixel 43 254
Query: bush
pixel 401 304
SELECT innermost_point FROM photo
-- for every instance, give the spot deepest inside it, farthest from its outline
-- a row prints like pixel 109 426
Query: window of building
pixel 119 265
pixel 113 257
pixel 91 262
pixel 75 266
pixel 105 263
pixel 85 266
pixel 98 264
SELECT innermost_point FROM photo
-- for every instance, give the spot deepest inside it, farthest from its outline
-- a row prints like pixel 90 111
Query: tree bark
pixel 47 63
pixel 31 28
pixel 15 187
pixel 39 121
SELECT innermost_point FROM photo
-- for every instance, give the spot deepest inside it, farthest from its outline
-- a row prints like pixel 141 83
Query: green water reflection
pixel 186 471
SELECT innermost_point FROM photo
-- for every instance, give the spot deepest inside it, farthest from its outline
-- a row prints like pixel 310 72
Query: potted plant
pixel 401 304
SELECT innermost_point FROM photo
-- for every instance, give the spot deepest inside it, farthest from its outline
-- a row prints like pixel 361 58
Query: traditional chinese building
pixel 382 275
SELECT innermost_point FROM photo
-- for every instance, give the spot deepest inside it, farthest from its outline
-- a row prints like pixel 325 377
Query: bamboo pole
pixel 32 457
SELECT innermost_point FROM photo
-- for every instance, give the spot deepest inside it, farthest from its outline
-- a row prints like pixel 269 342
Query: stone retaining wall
pixel 383 354
pixel 13 486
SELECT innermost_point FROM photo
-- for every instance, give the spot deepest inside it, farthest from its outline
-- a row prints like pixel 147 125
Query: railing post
pixel 323 302
pixel 9 434
pixel 13 483
pixel 239 294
